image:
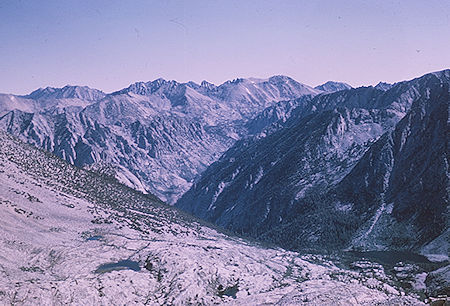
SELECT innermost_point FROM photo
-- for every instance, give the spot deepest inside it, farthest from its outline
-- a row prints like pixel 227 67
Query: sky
pixel 108 44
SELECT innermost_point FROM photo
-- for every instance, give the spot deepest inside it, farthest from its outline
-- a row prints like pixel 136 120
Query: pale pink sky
pixel 109 44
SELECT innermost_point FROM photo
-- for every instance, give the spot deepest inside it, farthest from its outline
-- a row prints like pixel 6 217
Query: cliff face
pixel 404 178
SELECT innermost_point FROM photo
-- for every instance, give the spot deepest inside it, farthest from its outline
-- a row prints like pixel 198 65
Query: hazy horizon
pixel 110 44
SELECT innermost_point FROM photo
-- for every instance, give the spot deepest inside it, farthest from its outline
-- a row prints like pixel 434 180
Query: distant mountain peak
pixel 384 86
pixel 148 88
pixel 332 86
pixel 207 85
pixel 280 78
pixel 235 81
pixel 276 79
pixel 67 92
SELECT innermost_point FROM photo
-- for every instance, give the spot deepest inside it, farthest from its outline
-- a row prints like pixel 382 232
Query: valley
pixel 298 191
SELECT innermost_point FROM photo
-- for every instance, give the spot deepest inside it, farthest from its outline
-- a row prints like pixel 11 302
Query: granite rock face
pixel 361 168
pixel 404 176
pixel 71 236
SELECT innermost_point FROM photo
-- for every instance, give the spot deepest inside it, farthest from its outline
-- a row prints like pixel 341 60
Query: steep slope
pixel 277 186
pixel 395 198
pixel 158 135
pixel 73 237
pixel 403 180
pixel 254 184
pixel 274 117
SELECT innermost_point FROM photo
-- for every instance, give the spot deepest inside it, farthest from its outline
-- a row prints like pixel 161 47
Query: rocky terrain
pixel 158 135
pixel 70 236
pixel 363 169
pixel 353 181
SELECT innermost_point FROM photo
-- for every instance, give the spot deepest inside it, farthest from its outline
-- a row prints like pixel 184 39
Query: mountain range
pixel 157 136
pixel 362 169
pixel 258 156
pixel 312 170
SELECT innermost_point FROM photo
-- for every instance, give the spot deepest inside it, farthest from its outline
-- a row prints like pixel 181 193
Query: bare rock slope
pixel 70 236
